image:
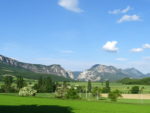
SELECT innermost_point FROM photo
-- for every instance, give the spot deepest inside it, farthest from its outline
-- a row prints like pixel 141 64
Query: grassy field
pixel 122 87
pixel 15 104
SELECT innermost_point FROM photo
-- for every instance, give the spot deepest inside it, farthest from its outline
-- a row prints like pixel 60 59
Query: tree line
pixel 11 85
pixel 61 89
pixel 129 81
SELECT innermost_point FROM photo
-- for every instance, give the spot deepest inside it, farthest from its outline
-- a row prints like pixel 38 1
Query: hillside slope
pixel 37 68
pixel 17 71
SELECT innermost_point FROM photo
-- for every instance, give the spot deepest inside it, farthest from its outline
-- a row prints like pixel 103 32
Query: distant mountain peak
pixel 103 68
pixel 102 72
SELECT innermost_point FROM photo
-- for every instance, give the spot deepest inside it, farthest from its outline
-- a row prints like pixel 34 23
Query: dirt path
pixel 132 96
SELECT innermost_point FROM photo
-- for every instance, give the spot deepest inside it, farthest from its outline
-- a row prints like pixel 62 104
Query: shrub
pixel 96 91
pixel 72 93
pixel 5 89
pixel 135 90
pixel 106 90
pixel 60 92
pixel 114 95
pixel 27 91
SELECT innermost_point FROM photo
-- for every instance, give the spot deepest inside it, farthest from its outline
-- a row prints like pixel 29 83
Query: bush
pixel 106 90
pixel 5 89
pixel 72 93
pixel 60 92
pixel 2 90
pixel 135 90
pixel 96 92
pixel 114 95
pixel 27 91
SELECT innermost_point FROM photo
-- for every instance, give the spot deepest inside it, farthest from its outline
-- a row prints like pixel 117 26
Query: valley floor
pixel 16 104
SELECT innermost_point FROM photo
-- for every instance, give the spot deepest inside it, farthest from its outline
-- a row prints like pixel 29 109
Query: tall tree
pixel 20 82
pixel 89 87
pixel 64 84
pixel 40 81
pixel 107 84
pixel 48 84
pixel 8 80
pixel 107 88
pixel 45 85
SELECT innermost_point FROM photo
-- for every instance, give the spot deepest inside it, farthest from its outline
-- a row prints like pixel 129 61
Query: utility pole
pixel 97 96
pixel 86 94
pixel 141 96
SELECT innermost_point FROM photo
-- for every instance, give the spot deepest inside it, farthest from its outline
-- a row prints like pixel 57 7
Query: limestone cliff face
pixel 37 68
pixel 102 72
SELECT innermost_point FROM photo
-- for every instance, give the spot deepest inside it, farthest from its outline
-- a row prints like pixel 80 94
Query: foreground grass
pixel 15 104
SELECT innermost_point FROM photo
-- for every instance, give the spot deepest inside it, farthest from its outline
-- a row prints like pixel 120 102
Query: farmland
pixel 15 104
pixel 122 87
pixel 47 103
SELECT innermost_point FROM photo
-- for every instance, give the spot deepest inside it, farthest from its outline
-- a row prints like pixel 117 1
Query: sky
pixel 77 33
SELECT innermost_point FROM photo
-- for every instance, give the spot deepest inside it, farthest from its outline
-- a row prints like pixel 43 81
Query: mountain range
pixel 55 69
pixel 97 72
pixel 102 72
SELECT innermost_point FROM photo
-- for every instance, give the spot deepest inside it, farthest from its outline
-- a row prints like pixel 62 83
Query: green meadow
pixel 15 104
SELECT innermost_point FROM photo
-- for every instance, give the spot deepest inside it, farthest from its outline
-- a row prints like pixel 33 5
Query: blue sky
pixel 77 33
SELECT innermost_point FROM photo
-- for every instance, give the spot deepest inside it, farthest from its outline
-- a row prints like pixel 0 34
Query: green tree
pixel 48 84
pixel 8 80
pixel 65 84
pixel 96 91
pixel 114 95
pixel 72 93
pixel 40 81
pixel 89 87
pixel 20 82
pixel 44 85
pixel 39 85
pixel 107 88
pixel 135 90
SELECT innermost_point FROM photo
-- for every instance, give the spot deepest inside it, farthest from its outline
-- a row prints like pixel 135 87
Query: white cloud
pixel 71 5
pixel 146 46
pixel 110 46
pixel 128 18
pixel 67 51
pixel 121 59
pixel 118 11
pixel 137 50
